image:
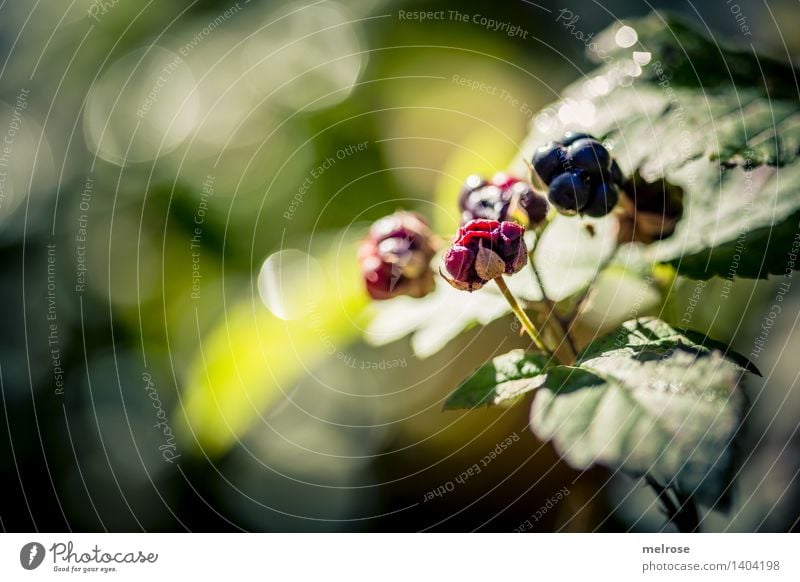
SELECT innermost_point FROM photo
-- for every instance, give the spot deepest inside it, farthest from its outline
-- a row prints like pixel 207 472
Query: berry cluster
pixel 581 175
pixel 501 198
pixel 582 178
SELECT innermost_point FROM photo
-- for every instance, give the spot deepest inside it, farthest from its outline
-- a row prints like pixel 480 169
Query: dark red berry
pixel 499 199
pixel 396 255
pixel 489 202
pixel 471 184
pixel 569 192
pixel 548 161
pixel 535 206
pixel 484 250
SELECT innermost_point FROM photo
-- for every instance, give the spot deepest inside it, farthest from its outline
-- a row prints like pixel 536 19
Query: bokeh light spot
pixel 291 283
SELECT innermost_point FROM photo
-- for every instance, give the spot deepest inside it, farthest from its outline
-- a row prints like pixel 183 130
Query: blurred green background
pixel 157 374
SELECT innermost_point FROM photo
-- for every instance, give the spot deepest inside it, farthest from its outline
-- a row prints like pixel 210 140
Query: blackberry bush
pixel 645 396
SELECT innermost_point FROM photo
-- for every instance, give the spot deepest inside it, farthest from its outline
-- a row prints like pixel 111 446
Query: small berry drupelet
pixel 396 255
pixel 569 192
pixel 501 199
pixel 590 156
pixel 581 175
pixel 548 161
pixel 484 250
pixel 603 200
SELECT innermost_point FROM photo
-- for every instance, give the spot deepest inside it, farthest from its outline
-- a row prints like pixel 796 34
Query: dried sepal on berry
pixel 488 264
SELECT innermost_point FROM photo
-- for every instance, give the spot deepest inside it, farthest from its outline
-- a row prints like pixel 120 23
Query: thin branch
pixel 683 516
pixel 687 518
pixel 585 294
pixel 562 332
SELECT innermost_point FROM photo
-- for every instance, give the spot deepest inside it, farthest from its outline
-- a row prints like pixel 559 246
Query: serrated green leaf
pixel 633 336
pixel 722 124
pixel 434 320
pixel 650 402
pixel 639 337
pixel 703 341
pixel 695 60
pixel 503 380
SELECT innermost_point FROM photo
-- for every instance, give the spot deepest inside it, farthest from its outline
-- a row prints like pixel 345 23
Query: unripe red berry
pixel 484 250
pixel 396 255
pixel 501 199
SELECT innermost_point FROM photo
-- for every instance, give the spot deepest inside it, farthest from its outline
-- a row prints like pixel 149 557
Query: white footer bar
pixel 401 557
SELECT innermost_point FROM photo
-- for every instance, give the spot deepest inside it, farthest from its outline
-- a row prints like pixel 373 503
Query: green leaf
pixel 503 380
pixel 436 319
pixel 650 401
pixel 634 336
pixel 699 60
pixel 702 341
pixel 645 334
pixel 721 123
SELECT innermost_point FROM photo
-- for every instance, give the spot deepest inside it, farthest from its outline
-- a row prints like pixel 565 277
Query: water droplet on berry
pixel 474 181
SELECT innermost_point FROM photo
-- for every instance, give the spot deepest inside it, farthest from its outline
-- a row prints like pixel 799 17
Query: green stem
pixel 562 332
pixel 538 277
pixel 585 294
pixel 523 318
pixel 536 181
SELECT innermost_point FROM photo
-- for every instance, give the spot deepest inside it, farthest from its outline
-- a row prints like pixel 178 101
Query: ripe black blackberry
pixel 581 175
